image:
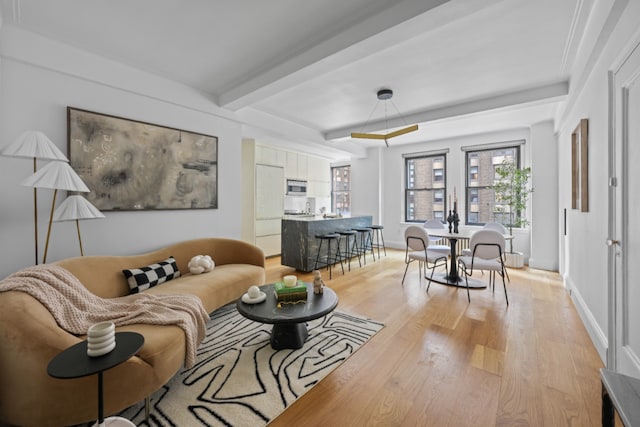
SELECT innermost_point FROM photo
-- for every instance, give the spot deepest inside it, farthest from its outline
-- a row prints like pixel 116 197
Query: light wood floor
pixel 440 361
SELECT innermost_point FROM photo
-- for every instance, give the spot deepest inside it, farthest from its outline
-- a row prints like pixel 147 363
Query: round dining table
pixel 452 277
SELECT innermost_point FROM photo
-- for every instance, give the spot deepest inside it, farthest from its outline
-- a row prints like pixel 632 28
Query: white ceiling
pixel 308 71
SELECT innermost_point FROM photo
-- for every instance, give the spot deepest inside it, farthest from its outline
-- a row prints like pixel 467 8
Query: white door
pixel 624 207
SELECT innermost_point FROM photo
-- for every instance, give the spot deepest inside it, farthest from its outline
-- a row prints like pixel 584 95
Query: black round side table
pixel 75 363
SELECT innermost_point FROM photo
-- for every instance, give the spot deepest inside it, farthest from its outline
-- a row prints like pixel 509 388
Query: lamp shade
pixel 56 175
pixel 33 143
pixel 76 207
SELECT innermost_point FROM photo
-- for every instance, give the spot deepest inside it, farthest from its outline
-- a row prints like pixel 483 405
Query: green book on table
pixel 282 289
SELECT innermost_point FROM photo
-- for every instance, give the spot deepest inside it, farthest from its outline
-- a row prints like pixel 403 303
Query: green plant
pixel 512 190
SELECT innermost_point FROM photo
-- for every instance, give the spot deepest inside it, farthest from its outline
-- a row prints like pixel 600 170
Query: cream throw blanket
pixel 75 308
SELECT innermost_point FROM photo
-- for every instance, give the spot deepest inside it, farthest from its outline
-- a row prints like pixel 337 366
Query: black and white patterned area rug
pixel 239 380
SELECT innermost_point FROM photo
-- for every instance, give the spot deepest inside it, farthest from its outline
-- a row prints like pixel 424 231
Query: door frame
pixel 617 208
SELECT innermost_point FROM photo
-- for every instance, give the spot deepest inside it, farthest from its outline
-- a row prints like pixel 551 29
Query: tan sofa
pixel 30 337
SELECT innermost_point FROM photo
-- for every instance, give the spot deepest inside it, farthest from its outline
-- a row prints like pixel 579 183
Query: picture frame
pixel 580 166
pixel 131 165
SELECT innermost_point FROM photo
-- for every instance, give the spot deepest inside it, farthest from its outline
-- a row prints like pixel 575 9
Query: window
pixel 341 189
pixel 425 188
pixel 481 166
pixel 473 173
pixel 473 195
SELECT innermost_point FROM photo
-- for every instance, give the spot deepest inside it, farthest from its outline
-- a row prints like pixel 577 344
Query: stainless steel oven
pixel 296 187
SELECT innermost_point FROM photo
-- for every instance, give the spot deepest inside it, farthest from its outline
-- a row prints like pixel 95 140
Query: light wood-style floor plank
pixel 441 361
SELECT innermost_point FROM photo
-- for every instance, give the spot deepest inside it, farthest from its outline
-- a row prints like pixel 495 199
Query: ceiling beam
pixel 541 94
pixel 278 131
pixel 265 83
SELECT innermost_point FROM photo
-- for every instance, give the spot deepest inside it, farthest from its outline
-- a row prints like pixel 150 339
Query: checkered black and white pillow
pixel 143 278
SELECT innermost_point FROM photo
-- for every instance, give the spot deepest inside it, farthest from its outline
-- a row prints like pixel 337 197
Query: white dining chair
pixel 488 226
pixel 436 243
pixel 417 240
pixel 495 226
pixel 487 250
pixel 502 230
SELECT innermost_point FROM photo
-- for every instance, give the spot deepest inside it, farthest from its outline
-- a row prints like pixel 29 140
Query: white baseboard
pixel 597 335
pixel 544 264
pixel 396 245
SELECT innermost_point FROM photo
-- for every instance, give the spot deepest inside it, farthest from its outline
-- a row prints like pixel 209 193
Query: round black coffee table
pixel 288 320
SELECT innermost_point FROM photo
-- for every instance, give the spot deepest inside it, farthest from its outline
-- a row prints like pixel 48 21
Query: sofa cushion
pixel 225 284
pixel 146 277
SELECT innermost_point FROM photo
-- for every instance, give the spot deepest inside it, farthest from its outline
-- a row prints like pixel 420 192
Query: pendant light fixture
pixel 385 95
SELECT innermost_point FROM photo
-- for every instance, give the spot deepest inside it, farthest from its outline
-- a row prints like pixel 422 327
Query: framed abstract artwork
pixel 131 165
pixel 580 166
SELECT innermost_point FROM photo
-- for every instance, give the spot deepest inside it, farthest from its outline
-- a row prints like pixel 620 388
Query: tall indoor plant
pixel 512 190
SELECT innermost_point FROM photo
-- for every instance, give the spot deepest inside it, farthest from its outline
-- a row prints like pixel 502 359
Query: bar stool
pixel 350 246
pixel 330 258
pixel 377 238
pixel 365 236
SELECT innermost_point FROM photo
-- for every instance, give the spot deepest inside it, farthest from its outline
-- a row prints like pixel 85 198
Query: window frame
pixel 333 188
pixel 409 182
pixel 468 151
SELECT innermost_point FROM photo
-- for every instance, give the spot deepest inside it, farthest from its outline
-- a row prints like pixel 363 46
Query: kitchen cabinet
pixel 296 166
pixel 270 168
pixel 291 167
pixel 303 172
pixel 318 189
pixel 318 170
pixel 270 156
pixel 268 235
pixel 318 177
pixel 269 202
pixel 270 245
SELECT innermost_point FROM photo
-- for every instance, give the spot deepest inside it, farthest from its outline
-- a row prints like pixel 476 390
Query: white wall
pixel 583 251
pixel 366 174
pixel 38 80
pixel 540 141
pixel 544 207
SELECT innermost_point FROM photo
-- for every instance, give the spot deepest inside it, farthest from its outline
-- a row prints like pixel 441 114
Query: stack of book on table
pixel 293 294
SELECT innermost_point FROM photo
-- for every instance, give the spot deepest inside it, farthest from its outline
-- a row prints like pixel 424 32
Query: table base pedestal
pixel 288 335
pixel 445 279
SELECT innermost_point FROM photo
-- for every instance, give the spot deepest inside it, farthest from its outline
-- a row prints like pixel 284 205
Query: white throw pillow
pixel 201 264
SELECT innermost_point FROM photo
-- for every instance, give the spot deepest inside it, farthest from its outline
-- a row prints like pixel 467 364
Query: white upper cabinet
pixel 318 170
pixel 303 172
pixel 296 166
pixel 270 156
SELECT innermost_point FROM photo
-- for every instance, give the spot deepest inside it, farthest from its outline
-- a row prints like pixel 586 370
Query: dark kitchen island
pixel 299 243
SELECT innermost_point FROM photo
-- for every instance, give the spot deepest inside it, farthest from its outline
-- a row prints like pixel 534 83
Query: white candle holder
pixel 101 339
pixel 290 281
